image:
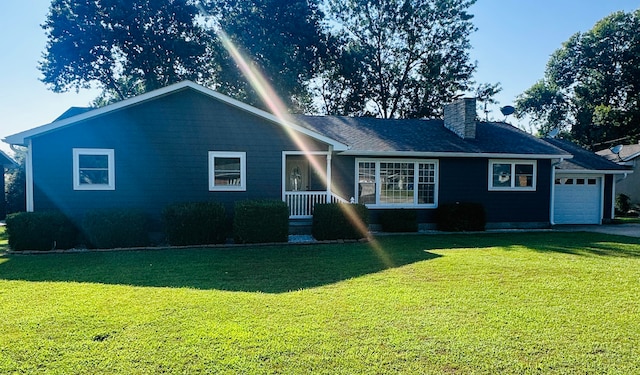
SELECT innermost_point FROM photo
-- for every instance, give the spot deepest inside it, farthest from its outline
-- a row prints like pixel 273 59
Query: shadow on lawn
pixel 279 269
pixel 271 269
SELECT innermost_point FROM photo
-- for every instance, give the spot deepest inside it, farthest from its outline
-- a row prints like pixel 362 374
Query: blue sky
pixel 512 46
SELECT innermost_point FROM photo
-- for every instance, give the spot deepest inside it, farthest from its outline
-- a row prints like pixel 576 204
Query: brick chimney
pixel 460 117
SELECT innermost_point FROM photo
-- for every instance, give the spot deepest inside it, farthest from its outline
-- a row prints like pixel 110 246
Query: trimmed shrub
pixel 260 221
pixel 115 228
pixel 460 217
pixel 42 231
pixel 399 220
pixel 623 203
pixel 333 221
pixel 195 223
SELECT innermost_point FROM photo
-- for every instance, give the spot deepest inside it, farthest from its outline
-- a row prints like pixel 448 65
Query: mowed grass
pixel 539 303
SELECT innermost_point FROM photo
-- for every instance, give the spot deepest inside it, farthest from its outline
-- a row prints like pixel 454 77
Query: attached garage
pixel 578 199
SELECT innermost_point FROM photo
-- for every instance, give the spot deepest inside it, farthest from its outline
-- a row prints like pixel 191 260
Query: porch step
pixel 300 226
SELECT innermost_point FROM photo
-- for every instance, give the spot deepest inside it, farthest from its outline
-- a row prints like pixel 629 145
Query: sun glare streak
pixel 269 96
pixel 353 217
pixel 271 99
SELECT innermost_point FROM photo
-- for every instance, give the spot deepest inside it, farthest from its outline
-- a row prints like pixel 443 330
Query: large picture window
pixel 93 169
pixel 512 175
pixel 227 171
pixel 397 183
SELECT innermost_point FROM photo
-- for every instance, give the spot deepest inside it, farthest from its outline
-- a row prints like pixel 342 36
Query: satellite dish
pixel 507 110
pixel 616 149
pixel 553 133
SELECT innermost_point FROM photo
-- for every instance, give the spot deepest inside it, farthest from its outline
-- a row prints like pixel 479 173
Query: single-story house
pixel 629 157
pixel 6 162
pixel 188 143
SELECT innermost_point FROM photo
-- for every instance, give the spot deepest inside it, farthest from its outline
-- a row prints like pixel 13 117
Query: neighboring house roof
pixel 78 115
pixel 627 153
pixel 73 111
pixel 371 136
pixel 6 160
pixel 584 160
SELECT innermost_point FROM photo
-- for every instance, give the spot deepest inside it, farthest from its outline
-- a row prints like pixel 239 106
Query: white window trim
pixel 111 168
pixel 415 191
pixel 513 169
pixel 243 170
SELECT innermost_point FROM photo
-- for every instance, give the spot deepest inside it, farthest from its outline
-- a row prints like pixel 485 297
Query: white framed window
pixel 397 183
pixel 94 169
pixel 227 171
pixel 519 175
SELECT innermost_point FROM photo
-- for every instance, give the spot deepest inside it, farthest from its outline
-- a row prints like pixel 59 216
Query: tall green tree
pixel 591 86
pixel 396 58
pixel 123 46
pixel 16 185
pixel 282 38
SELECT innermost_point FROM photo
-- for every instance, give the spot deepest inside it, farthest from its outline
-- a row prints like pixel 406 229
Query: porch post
pixel 329 174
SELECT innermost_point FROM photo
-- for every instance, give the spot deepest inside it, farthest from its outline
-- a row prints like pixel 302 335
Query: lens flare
pixel 271 99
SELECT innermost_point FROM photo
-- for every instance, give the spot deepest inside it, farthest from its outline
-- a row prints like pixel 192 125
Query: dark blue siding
pixel 343 176
pixel 161 155
pixel 466 180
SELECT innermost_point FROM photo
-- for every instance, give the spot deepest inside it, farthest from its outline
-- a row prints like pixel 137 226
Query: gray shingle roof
pixel 627 153
pixel 367 135
pixel 583 159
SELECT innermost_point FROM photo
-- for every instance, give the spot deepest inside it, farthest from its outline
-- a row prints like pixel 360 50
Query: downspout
pixel 553 190
pixel 28 169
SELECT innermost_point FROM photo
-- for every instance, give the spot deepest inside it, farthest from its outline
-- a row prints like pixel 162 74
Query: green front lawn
pixel 493 303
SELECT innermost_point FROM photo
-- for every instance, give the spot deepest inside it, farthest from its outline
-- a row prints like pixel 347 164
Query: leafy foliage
pixel 261 221
pixel 47 230
pixel 116 228
pixel 461 217
pixel 399 220
pixel 394 58
pixel 195 223
pixel 591 85
pixel 126 46
pixel 15 186
pixel 280 38
pixel 339 221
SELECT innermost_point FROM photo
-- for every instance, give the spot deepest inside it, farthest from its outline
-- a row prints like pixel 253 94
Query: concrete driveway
pixel 631 230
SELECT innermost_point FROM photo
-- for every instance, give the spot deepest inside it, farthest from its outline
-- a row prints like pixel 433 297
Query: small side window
pixel 93 169
pixel 227 171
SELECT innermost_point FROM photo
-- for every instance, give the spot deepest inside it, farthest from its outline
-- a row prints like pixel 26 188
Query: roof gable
pixel 78 115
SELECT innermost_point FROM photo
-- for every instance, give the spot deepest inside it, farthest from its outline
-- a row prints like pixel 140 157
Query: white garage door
pixel 577 199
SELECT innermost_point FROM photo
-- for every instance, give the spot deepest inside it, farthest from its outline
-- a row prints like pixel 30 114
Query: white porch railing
pixel 301 203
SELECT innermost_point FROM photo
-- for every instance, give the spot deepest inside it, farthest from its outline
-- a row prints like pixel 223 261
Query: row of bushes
pixel 99 229
pixel 196 223
pixel 206 223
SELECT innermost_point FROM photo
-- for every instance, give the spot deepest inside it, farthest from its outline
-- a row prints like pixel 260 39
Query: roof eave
pixel 455 154
pixel 600 171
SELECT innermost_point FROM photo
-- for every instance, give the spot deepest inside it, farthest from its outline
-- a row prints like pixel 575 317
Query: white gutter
pixel 414 154
pixel 28 169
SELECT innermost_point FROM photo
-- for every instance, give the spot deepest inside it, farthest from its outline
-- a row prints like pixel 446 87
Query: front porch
pixel 301 203
pixel 307 181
